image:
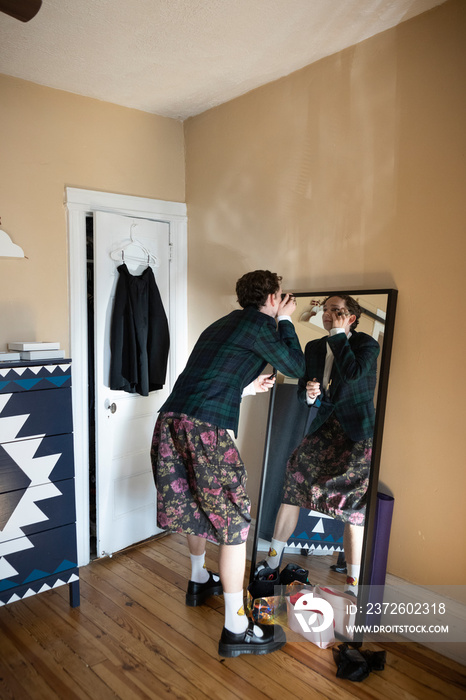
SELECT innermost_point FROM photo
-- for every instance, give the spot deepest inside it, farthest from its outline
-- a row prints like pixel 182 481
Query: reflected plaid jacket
pixel 353 380
pixel 229 355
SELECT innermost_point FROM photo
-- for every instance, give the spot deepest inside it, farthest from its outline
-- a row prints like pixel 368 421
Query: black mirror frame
pixel 368 543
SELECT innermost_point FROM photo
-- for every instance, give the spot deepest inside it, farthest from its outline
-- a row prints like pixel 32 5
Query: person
pixel 329 471
pixel 199 475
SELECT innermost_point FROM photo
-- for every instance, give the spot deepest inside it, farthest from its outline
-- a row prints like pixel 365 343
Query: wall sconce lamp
pixel 8 249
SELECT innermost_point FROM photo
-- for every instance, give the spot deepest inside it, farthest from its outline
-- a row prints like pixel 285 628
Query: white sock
pixel 352 578
pixel 275 553
pixel 235 617
pixel 199 573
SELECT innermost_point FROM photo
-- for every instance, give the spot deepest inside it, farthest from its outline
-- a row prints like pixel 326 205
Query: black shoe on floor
pixel 199 592
pixel 264 571
pixel 339 569
pixel 247 642
pixel 292 573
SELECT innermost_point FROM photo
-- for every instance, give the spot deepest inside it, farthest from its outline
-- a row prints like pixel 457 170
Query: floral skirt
pixel 329 473
pixel 200 480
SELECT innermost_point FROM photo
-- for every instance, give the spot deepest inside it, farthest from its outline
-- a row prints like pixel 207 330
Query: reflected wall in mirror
pixel 318 534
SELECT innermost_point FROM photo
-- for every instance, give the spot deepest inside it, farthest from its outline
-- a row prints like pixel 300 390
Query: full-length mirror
pixel 337 411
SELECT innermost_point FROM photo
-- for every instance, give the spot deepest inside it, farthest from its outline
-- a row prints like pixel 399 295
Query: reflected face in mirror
pixel 320 454
pixel 334 310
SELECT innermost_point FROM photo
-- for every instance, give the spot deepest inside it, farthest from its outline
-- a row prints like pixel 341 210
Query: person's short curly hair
pixel 350 303
pixel 253 288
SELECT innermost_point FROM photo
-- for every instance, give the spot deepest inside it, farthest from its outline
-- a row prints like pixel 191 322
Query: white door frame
pixel 79 204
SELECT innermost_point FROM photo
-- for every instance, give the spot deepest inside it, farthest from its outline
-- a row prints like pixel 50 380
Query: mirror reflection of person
pixel 199 474
pixel 329 471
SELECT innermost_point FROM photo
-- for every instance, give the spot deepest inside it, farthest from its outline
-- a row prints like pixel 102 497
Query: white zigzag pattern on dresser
pixel 38 470
pixel 11 425
pixel 27 512
pixel 5 371
pixel 44 587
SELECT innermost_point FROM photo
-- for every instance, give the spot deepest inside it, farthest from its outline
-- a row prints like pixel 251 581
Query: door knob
pixel 112 407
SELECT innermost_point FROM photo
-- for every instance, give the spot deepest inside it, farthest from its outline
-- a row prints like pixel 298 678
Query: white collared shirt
pixel 328 366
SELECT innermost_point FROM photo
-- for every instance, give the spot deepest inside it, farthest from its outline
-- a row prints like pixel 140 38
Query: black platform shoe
pixel 247 642
pixel 199 592
pixel 292 573
pixel 264 571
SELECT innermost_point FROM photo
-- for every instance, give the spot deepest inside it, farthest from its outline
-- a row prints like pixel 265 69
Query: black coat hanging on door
pixel 139 336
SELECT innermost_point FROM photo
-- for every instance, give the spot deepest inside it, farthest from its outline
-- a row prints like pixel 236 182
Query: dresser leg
pixel 74 594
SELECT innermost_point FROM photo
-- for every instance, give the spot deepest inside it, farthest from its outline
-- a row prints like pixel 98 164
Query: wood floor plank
pixel 60 652
pixel 11 688
pixel 128 685
pixel 43 662
pixel 150 661
pixel 77 661
pixel 125 688
pixel 86 627
pixel 433 672
pixel 426 659
pixel 145 671
pixel 18 676
pixel 147 645
pixel 84 646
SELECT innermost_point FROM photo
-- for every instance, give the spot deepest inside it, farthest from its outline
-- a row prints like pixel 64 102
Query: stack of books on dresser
pixel 34 350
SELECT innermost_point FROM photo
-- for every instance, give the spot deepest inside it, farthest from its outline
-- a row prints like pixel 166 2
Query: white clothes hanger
pixel 146 256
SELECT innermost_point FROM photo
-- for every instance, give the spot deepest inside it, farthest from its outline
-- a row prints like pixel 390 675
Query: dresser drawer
pixel 35 509
pixel 32 559
pixel 37 376
pixel 34 413
pixel 36 461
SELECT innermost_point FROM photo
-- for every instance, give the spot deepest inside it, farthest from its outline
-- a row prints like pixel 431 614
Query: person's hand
pixel 287 305
pixel 313 389
pixel 264 382
pixel 342 319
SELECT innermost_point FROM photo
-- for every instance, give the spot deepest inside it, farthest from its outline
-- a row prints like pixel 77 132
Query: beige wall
pixel 49 140
pixel 351 173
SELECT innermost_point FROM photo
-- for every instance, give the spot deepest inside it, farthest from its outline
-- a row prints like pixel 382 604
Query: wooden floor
pixel 133 637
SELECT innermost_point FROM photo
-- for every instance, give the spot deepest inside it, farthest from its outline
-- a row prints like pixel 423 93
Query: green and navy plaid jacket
pixel 229 355
pixel 353 380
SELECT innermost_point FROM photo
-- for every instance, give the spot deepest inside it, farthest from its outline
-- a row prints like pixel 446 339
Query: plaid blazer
pixel 353 380
pixel 229 355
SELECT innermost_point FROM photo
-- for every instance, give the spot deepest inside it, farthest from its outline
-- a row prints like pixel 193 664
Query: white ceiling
pixel 178 58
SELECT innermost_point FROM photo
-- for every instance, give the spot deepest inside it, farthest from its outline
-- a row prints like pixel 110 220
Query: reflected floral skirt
pixel 200 480
pixel 329 473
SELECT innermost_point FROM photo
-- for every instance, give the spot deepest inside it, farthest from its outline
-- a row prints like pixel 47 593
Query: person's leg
pixel 352 544
pixel 202 583
pixel 285 525
pixel 197 545
pixel 286 522
pixel 240 635
pixel 232 563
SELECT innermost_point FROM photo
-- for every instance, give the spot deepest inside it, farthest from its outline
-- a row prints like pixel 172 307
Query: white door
pixel 125 491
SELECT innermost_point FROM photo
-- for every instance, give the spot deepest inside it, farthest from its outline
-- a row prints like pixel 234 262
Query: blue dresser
pixel 37 494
